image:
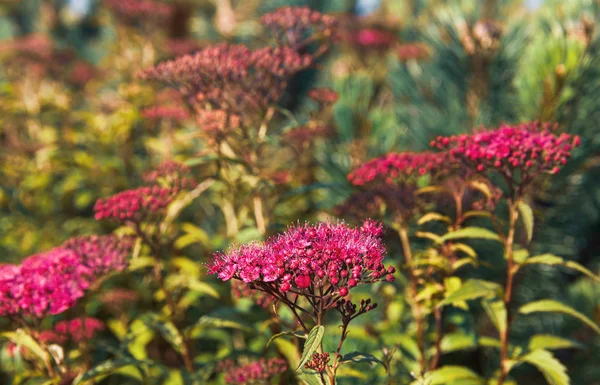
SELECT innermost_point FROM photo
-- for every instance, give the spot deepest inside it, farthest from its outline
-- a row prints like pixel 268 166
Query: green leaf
pixel 550 259
pixel 310 377
pixel 434 217
pixel 552 369
pixel 166 328
pixel 546 341
pixel 472 289
pixel 527 217
pixel 275 336
pixel 360 357
pixel 21 338
pixel 490 342
pixel 551 306
pixel 215 322
pixel 313 341
pixel 450 374
pixel 104 369
pixel 496 310
pixel 453 342
pixel 471 232
pixel 203 287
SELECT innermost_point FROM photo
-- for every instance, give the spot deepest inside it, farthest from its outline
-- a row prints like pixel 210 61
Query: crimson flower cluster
pixel 412 51
pixel 77 330
pixel 103 254
pixel 171 174
pixel 134 10
pixel 135 206
pixel 372 38
pixel 165 112
pixel 298 26
pixel 396 165
pixel 318 362
pixel 324 96
pixel 327 258
pixel 44 284
pixel 229 77
pixel 527 149
pixel 252 373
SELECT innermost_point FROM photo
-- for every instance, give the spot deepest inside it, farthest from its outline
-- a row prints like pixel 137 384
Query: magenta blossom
pixel 44 284
pixel 136 205
pixel 396 165
pixel 102 254
pixel 328 258
pixel 528 148
pixel 253 373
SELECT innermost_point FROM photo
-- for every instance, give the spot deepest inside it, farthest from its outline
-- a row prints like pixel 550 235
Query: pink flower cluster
pixel 171 174
pixel 412 51
pixel 132 10
pixel 253 373
pixel 397 165
pixel 165 112
pixel 329 258
pixel 231 78
pixel 135 206
pixel 318 362
pixel 44 284
pixel 217 124
pixel 102 254
pixel 530 148
pixel 77 330
pixel 292 26
pixel 323 95
pixel 372 38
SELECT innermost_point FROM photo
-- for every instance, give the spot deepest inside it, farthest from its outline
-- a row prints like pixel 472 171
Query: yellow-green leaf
pixel 433 217
pixel 472 289
pixel 471 232
pixel 550 259
pixel 551 306
pixel 550 342
pixel 313 341
pixel 552 369
pixel 527 218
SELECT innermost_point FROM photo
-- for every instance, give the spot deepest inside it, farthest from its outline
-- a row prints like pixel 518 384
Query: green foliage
pixel 313 341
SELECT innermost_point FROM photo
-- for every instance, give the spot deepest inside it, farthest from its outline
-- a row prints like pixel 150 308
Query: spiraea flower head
pixel 329 258
pixel 318 362
pixel 229 77
pixel 412 51
pixel 79 329
pixel 527 149
pixel 402 165
pixel 103 254
pixel 175 113
pixel 372 38
pixel 323 96
pixel 140 10
pixel 137 205
pixel 171 174
pixel 255 372
pixel 44 284
pixel 297 26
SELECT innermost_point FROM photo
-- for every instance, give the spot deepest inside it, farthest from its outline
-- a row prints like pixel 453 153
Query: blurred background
pixel 73 127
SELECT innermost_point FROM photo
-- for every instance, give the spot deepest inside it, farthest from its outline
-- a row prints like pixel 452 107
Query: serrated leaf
pixel 360 357
pixel 433 217
pixel 552 306
pixel 550 342
pixel 313 341
pixel 106 368
pixel 472 289
pixel 527 217
pixel 550 259
pixel 275 336
pixel 496 310
pixel 21 338
pixel 471 233
pixel 451 374
pixel 553 370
